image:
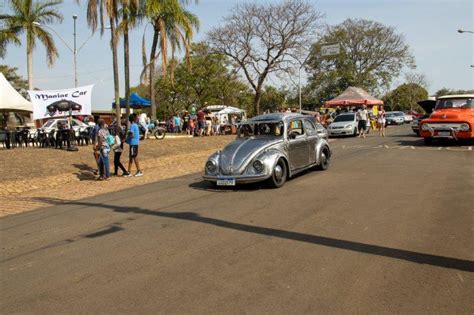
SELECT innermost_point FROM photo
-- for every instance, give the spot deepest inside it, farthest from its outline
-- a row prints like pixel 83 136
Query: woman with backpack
pixel 104 142
pixel 118 149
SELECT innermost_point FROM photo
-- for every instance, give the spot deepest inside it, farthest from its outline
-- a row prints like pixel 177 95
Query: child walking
pixel 118 149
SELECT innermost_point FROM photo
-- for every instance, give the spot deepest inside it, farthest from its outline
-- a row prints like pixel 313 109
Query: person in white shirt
pixel 142 120
pixel 363 116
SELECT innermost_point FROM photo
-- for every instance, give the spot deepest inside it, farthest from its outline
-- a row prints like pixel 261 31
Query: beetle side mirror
pixel 292 135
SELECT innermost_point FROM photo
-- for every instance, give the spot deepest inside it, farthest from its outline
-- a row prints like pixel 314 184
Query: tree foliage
pixel 25 15
pixel 31 18
pixel 274 98
pixel 261 38
pixel 371 56
pixel 173 28
pixel 405 97
pixel 446 91
pixel 209 82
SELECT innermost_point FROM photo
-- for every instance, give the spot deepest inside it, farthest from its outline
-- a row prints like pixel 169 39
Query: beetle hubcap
pixel 278 171
pixel 323 159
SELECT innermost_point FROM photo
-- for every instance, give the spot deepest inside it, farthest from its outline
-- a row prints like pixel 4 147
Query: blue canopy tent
pixel 136 101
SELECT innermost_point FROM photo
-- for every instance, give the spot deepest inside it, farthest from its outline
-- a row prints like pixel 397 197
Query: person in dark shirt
pixel 201 119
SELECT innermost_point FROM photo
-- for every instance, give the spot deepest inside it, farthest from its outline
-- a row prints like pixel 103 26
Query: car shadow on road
pixel 85 172
pixel 378 250
pixel 419 142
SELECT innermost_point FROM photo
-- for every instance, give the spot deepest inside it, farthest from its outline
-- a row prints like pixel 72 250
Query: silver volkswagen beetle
pixel 273 148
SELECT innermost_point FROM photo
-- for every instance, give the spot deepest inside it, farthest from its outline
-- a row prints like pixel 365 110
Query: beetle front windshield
pixel 455 103
pixel 261 129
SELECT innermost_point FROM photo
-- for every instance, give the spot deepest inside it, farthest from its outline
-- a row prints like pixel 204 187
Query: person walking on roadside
pixel 362 115
pixel 133 139
pixel 94 132
pixel 118 149
pixel 177 123
pixel 142 120
pixel 381 121
pixel 103 147
pixel 201 120
pixel 186 118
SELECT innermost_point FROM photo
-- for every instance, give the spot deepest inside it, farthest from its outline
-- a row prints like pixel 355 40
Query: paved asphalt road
pixel 388 228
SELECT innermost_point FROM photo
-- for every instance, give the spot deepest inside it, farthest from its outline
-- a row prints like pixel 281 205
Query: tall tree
pixel 264 38
pixel 173 26
pixel 32 18
pixel 371 55
pixel 96 10
pixel 130 14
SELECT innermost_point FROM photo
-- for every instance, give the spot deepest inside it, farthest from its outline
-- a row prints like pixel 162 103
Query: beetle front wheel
pixel 324 159
pixel 279 174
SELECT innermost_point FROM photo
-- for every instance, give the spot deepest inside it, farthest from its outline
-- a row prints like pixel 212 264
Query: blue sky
pixel 429 26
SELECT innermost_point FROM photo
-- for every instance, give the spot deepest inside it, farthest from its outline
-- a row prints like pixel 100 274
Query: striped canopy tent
pixel 353 96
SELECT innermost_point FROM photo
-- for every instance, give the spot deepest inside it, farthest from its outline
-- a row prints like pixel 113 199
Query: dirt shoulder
pixel 32 174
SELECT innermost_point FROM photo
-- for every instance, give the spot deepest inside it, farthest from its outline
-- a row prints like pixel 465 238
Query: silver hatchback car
pixel 273 148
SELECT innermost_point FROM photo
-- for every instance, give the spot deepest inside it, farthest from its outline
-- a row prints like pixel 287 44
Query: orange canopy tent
pixel 353 96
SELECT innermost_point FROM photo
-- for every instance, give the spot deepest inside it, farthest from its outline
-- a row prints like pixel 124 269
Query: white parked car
pixel 408 118
pixel 52 124
pixel 345 124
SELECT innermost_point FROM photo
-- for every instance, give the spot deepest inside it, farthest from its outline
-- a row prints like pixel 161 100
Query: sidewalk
pixel 24 195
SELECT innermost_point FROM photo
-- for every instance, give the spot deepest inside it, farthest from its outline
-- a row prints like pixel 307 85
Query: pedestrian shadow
pixel 85 172
pixel 359 247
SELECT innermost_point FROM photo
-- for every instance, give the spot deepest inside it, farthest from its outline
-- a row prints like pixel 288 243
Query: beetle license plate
pixel 444 133
pixel 226 181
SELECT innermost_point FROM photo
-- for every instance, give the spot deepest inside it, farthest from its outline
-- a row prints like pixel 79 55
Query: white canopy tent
pixel 10 99
pixel 229 110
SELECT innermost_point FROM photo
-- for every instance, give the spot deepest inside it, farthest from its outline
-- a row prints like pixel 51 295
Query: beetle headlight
pixel 258 166
pixel 464 127
pixel 425 126
pixel 211 166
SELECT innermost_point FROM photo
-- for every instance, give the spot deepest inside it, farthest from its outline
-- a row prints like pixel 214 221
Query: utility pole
pixel 75 51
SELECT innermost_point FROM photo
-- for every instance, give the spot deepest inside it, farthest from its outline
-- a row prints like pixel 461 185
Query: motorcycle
pixel 156 129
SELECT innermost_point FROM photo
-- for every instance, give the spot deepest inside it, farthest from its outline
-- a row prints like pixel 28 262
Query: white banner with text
pixel 60 103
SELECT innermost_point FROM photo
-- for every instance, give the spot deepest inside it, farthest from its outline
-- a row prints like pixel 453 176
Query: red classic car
pixel 452 118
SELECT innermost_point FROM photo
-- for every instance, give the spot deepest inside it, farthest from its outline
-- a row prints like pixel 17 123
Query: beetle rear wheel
pixel 324 159
pixel 279 174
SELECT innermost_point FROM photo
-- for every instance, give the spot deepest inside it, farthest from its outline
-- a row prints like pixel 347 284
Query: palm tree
pixel 8 36
pixel 95 10
pixel 130 13
pixel 32 19
pixel 173 26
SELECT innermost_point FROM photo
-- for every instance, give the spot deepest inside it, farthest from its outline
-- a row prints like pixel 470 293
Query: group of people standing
pixel 196 123
pixel 376 121
pixel 106 140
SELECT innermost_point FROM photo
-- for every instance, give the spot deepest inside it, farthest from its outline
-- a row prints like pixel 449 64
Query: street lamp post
pixel 73 49
pixel 463 31
pixel 74 17
pixel 302 64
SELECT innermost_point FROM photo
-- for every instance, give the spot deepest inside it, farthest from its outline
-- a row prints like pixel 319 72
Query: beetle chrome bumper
pixel 239 179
